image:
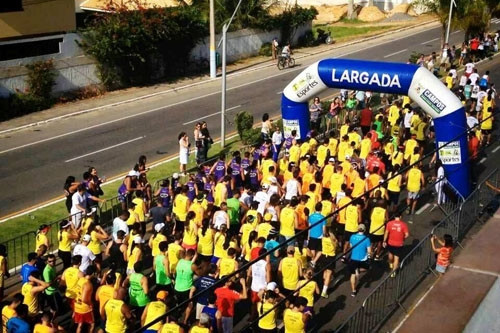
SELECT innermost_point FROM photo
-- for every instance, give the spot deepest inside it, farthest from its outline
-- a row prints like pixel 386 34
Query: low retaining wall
pixel 76 71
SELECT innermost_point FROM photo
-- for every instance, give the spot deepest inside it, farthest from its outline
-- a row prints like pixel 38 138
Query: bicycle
pixel 283 62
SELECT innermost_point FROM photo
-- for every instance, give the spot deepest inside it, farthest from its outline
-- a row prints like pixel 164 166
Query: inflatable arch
pixel 393 78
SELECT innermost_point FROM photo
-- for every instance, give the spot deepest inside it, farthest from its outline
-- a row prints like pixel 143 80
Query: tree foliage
pixel 130 45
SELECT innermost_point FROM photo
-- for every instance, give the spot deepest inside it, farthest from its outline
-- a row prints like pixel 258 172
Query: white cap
pixel 272 179
pixel 265 186
pixel 133 173
pixel 331 159
pixel 138 239
pixel 159 226
pixel 86 238
pixel 175 175
pixel 271 286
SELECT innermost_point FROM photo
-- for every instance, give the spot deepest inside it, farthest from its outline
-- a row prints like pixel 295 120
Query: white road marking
pixel 423 208
pixel 430 41
pixel 456 32
pixel 279 93
pixel 482 160
pixel 210 115
pixel 398 52
pixel 104 149
pixel 496 149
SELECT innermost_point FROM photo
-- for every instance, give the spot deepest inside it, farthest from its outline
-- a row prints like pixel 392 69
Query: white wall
pixel 244 43
pixel 76 71
pixel 382 4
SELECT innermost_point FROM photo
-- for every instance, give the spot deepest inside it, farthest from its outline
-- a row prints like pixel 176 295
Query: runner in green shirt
pixel 138 287
pixel 184 275
pixel 54 299
pixel 161 268
pixel 233 210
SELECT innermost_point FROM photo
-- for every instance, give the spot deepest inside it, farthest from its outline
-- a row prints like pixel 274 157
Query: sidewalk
pixel 132 94
pixel 465 299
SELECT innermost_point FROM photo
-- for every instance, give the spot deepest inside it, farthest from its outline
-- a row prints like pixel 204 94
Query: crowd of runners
pixel 350 192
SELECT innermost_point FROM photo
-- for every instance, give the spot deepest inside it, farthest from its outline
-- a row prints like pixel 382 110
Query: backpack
pixel 483 83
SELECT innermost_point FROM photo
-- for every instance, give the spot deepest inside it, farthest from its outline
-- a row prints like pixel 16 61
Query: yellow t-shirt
pixel 105 293
pixel 7 313
pixel 30 300
pixel 198 209
pixel 155 310
pixel 377 220
pixel 332 146
pixel 366 146
pixel 218 194
pixel 359 187
pixel 219 251
pixel 351 218
pixel 449 82
pixel 410 147
pixel 206 242
pixel 133 258
pixel 290 272
pixel 180 206
pixel 173 255
pixel 328 247
pixel 199 329
pixel 64 241
pixel 171 328
pixel 326 209
pixel 308 290
pixel 40 240
pixel 414 177
pixel 343 202
pixel 80 306
pixel 115 320
pixel 327 174
pixel 268 322
pixel 393 184
pixel 156 244
pixel 294 154
pixel 343 130
pixel 343 146
pixel 95 243
pixel 304 149
pixel 322 153
pixel 287 222
pixel 336 181
pixel 293 321
pixel 139 209
pixel 226 266
pixel 71 276
pixel 189 237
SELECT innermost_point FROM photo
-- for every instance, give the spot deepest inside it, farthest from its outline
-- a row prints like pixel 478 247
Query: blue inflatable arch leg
pixel 393 78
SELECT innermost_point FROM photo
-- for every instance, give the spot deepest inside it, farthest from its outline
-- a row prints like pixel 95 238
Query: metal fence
pixel 389 294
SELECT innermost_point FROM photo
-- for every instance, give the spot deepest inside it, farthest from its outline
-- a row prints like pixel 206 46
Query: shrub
pixel 307 39
pixel 41 78
pixel 265 50
pixel 134 46
pixel 244 126
pixel 251 136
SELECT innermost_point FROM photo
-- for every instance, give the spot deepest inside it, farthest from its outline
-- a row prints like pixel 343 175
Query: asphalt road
pixel 34 162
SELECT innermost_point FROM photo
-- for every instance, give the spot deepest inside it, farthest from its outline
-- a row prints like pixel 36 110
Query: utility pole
pixel 452 2
pixel 223 80
pixel 213 64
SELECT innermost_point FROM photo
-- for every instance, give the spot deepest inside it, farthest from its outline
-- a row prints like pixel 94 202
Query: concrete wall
pixel 38 17
pixel 244 43
pixel 76 71
pixel 382 4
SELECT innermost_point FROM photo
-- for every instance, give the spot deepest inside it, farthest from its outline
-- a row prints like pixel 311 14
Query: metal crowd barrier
pixel 389 294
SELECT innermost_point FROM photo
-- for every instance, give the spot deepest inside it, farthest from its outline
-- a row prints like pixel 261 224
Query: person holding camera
pixel 183 152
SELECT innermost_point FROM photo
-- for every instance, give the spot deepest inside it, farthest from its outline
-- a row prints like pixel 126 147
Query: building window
pixel 19 50
pixel 11 6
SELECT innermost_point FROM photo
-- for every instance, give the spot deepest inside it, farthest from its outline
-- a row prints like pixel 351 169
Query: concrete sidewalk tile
pixel 451 304
pixel 481 251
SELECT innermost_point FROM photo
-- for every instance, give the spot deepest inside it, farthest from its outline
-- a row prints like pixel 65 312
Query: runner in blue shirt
pixel 29 267
pixel 318 222
pixel 361 250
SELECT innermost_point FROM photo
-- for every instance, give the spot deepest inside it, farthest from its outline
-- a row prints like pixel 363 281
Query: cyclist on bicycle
pixel 286 51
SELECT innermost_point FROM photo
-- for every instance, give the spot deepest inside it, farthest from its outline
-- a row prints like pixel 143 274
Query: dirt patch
pixel 371 14
pixel 330 14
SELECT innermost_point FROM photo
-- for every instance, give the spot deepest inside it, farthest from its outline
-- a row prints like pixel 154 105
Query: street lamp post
pixel 223 89
pixel 213 64
pixel 452 2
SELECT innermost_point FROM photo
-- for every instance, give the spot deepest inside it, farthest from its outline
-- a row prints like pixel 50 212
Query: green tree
pixel 132 46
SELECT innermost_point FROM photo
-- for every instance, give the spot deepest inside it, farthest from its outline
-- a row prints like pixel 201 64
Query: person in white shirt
pixel 87 256
pixel 262 198
pixel 463 81
pixel 277 138
pixel 292 186
pixel 469 67
pixel 480 96
pixel 474 77
pixel 120 223
pixel 221 217
pixel 471 120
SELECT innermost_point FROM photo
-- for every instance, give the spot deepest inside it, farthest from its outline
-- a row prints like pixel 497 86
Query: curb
pixel 240 71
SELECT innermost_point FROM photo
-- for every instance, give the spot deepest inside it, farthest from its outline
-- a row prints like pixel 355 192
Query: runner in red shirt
pixel 226 297
pixel 396 231
pixel 365 120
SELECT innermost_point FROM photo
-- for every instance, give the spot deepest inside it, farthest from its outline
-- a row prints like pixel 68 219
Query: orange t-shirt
pixel 444 256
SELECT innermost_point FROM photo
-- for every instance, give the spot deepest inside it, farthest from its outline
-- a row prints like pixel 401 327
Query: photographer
pixel 184 146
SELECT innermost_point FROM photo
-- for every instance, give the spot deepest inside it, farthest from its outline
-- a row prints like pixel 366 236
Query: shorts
pixel 393 197
pixel 441 269
pixel 485 131
pixel 394 250
pixel 254 296
pixel 376 238
pixel 187 247
pixel 214 260
pixel 122 197
pixel 315 244
pixel 179 225
pixel 355 264
pixel 413 195
pixel 329 261
pixel 181 296
pixel 83 318
pixel 339 228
